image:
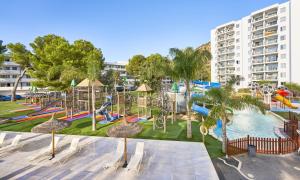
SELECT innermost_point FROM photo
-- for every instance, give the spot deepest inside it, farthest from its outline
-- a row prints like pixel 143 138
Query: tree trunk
pixel 93 106
pixel 224 137
pixel 13 92
pixel 189 123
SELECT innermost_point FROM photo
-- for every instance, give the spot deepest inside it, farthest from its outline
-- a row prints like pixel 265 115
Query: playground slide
pixel 285 101
pixel 201 110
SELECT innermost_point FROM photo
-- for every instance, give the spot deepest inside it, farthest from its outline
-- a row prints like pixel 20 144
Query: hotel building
pixel 258 47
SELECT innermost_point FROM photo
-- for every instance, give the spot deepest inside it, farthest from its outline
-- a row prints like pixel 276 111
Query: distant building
pixel 259 47
pixel 9 71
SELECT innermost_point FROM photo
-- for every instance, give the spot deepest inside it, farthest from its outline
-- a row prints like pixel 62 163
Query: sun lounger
pixel 136 160
pixel 117 157
pixel 46 150
pixel 66 154
pixel 2 137
pixel 13 146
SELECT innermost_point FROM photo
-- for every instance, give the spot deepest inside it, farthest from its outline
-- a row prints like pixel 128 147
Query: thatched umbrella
pixel 51 126
pixel 124 130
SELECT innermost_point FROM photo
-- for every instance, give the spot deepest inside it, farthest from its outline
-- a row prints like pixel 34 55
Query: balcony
pixel 229 64
pixel 272 77
pixel 271 69
pixel 270 24
pixel 257 61
pixel 271 50
pixel 270 33
pixel 257 53
pixel 258 78
pixel 272 41
pixel 257 19
pixel 257 36
pixel 271 14
pixel 258 69
pixel 257 28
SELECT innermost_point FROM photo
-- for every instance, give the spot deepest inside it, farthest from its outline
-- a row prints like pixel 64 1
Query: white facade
pixel 116 66
pixel 260 47
pixel 9 71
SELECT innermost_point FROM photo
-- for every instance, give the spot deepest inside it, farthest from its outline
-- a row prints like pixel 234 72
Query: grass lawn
pixel 176 131
pixel 7 106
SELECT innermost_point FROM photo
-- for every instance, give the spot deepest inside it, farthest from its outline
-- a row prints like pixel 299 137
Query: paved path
pixel 271 167
pixel 167 160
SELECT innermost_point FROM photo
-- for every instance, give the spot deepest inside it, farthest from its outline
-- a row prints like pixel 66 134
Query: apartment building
pixel 9 71
pixel 257 47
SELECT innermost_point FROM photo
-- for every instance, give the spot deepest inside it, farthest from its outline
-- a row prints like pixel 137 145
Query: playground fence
pixel 262 145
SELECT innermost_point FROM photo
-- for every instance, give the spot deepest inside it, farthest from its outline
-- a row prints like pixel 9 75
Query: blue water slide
pixel 201 110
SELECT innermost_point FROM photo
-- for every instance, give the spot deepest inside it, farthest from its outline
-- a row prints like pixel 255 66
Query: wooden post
pixel 279 145
pixel 165 124
pixel 153 123
pixel 125 152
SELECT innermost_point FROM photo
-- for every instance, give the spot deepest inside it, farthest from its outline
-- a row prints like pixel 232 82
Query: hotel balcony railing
pixel 258 61
pixel 258 52
pixel 221 39
pixel 258 77
pixel 271 69
pixel 269 33
pixel 257 36
pixel 229 36
pixel 256 28
pixel 271 60
pixel 230 64
pixel 271 77
pixel 271 50
pixel 271 42
pixel 258 69
pixel 274 23
pixel 257 44
pixel 271 15
pixel 258 19
pixel 230 72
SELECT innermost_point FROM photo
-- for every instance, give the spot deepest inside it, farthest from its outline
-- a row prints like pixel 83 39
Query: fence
pixel 263 145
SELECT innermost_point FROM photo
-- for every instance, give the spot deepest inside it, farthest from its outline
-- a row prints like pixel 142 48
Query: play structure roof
pixel 144 88
pixel 86 82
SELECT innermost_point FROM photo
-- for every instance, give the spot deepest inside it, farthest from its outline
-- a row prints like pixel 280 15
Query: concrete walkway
pixel 168 160
pixel 271 167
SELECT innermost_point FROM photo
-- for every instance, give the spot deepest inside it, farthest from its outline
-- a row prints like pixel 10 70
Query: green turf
pixel 23 126
pixel 7 106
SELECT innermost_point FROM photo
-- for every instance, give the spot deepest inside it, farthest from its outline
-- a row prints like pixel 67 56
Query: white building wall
pixel 284 62
pixel 295 41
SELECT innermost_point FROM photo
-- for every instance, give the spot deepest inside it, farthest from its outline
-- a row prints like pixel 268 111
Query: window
pixel 282 38
pixel 283 56
pixel 282 47
pixel 14 68
pixel 14 76
pixel 237 62
pixel 283 28
pixel 283 65
pixel 282 10
pixel 238 69
pixel 283 74
pixel 7 68
pixel 283 19
pixel 238 55
pixel 237 26
pixel 238 33
pixel 238 47
pixel 237 40
pixel 4 76
pixel 249 20
pixel 249 28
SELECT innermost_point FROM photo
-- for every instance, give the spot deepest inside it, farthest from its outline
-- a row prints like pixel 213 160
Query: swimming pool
pixel 250 122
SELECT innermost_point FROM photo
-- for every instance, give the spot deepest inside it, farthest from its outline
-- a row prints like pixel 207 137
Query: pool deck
pixel 162 160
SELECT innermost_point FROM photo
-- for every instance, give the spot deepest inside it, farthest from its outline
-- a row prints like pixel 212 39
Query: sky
pixel 122 28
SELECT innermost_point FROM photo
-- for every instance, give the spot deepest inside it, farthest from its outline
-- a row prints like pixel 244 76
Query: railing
pixel 291 126
pixel 262 145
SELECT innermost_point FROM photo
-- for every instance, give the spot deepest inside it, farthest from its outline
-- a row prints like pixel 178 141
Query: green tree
pixel 154 69
pixel 94 67
pixel 108 79
pixel 294 87
pixel 3 50
pixel 134 66
pixel 187 63
pixel 55 62
pixel 20 55
pixel 223 101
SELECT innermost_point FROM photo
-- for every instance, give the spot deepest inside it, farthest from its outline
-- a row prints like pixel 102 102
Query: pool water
pixel 250 122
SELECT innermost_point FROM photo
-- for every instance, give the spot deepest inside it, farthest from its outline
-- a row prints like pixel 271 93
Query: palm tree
pixel 116 76
pixel 94 67
pixel 188 63
pixel 224 101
